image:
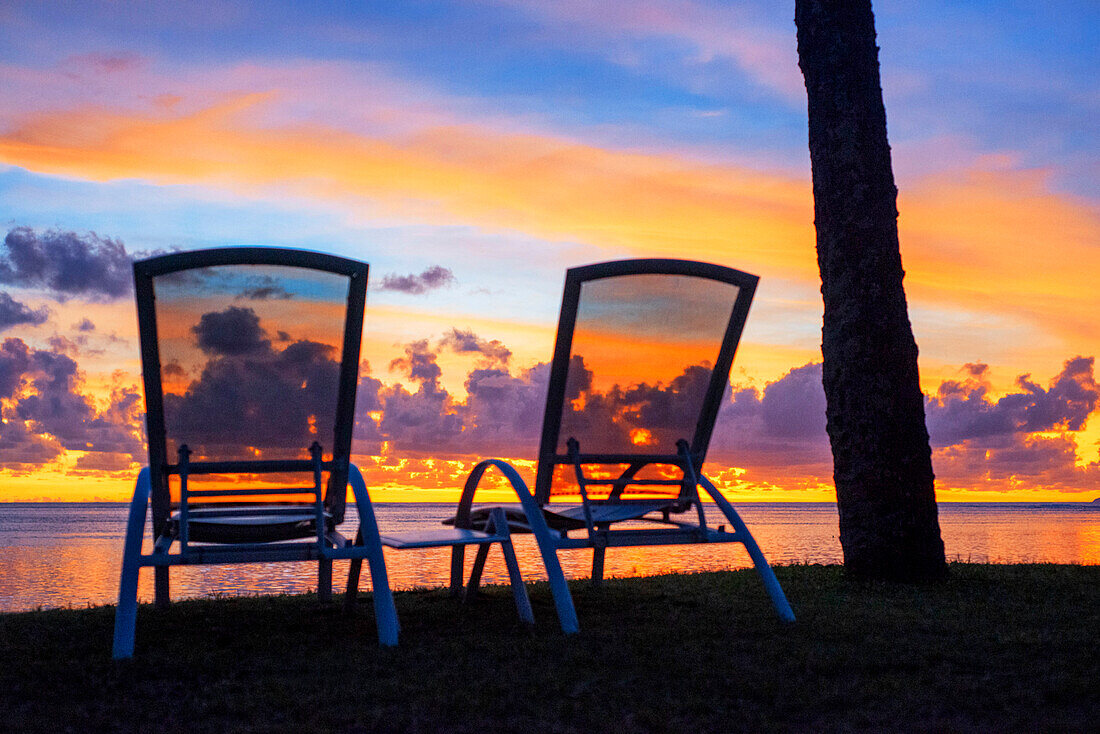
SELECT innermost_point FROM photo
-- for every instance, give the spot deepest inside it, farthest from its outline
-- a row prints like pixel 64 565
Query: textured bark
pixel 882 463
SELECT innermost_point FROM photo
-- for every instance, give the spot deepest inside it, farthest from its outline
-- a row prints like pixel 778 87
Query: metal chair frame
pixel 321 543
pixel 596 517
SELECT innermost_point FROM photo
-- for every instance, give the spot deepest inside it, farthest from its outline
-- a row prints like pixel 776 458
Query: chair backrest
pixel 249 355
pixel 641 362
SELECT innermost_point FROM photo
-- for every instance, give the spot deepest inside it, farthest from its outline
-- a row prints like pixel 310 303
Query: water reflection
pixel 56 555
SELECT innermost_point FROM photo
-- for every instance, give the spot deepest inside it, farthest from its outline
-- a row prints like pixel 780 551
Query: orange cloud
pixel 992 242
pixel 549 187
pixel 998 240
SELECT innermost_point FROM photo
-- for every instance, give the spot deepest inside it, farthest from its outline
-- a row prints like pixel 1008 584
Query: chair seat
pixel 262 524
pixel 437 538
pixel 517 520
pixel 572 518
pixel 619 512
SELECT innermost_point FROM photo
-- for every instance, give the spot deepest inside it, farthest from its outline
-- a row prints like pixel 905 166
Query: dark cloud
pixel 626 418
pixel 962 411
pixel 65 345
pixel 22 451
pixel 424 420
pixel 368 406
pixel 14 313
pixel 15 361
pixel 96 463
pixel 232 331
pixel 419 362
pixel 265 288
pixel 434 277
pixel 794 407
pixel 45 412
pixel 173 369
pixel 67 264
pixel 99 64
pixel 494 352
pixel 274 401
pixel 781 429
pixel 55 406
pixel 1001 444
pixel 85 325
pixel 503 412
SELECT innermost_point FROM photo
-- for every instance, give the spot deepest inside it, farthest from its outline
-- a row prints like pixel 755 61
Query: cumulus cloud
pixel 1000 444
pixel 978 442
pixel 22 451
pixel 265 288
pixel 419 362
pixel 85 325
pixel 55 406
pixel 14 313
pixel 501 415
pixel 367 437
pixel 962 411
pixel 15 361
pixel 273 401
pixel 67 264
pixel 232 331
pixel 424 420
pixel 45 412
pixel 464 342
pixel 279 394
pixel 778 431
pixel 623 418
pixel 434 277
pixel 503 412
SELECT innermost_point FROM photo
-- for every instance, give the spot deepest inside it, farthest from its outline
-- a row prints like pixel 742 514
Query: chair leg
pixel 563 600
pixel 126 612
pixel 519 589
pixel 458 557
pixel 476 571
pixel 771 583
pixel 354 570
pixel 324 580
pixel 385 612
pixel 598 554
pixel 161 597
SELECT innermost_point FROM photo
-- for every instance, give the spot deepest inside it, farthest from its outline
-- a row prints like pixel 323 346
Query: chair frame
pixel 152 497
pixel 598 516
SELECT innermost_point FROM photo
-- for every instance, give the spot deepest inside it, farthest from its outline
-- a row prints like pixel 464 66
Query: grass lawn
pixel 996 648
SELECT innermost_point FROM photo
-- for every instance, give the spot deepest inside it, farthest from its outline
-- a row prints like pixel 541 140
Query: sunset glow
pixel 472 151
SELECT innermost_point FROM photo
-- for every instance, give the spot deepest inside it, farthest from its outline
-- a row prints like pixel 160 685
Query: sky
pixel 472 151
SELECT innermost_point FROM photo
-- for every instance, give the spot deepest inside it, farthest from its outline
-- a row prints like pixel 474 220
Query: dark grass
pixel 997 648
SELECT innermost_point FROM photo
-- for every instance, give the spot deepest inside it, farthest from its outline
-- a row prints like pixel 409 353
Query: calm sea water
pixel 59 555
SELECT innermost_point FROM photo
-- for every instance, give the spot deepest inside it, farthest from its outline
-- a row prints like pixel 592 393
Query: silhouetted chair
pixel 641 364
pixel 250 359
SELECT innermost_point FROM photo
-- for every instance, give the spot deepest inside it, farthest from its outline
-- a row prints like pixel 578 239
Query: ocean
pixel 69 554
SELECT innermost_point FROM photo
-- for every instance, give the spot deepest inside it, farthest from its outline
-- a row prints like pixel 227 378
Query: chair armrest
pixel 531 508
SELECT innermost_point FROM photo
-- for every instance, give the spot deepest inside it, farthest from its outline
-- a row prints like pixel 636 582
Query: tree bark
pixel 882 462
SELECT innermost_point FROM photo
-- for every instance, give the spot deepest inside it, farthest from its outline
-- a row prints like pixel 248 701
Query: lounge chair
pixel 641 365
pixel 250 359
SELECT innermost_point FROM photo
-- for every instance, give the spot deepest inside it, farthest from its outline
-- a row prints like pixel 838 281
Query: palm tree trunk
pixel 882 462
